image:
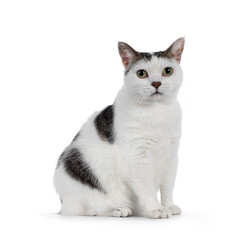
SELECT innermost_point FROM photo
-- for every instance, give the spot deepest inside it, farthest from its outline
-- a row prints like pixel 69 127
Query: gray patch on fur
pixel 62 155
pixel 160 54
pixel 145 56
pixel 60 159
pixel 76 137
pixel 104 123
pixel 139 56
pixel 78 169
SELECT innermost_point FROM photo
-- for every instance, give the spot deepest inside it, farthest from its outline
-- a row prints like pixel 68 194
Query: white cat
pixel 124 154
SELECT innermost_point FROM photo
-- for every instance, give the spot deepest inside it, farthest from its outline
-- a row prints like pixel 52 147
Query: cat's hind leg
pixel 94 205
pixel 79 199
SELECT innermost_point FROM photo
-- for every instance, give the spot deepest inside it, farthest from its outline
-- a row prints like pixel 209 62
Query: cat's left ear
pixel 176 49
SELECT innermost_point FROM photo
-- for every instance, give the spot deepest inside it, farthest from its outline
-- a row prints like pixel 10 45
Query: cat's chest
pixel 158 122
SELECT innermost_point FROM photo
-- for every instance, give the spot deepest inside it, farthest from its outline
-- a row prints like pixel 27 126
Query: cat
pixel 124 154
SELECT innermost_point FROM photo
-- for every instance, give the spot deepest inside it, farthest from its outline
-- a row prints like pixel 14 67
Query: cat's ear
pixel 127 53
pixel 176 49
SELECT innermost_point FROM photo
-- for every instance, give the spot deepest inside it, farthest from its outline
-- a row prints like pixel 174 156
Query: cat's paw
pixel 161 213
pixel 175 210
pixel 122 212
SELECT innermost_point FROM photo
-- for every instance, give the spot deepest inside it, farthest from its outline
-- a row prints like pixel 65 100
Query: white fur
pixel 143 158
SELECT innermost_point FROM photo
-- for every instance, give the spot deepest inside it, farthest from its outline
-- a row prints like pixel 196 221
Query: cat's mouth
pixel 157 93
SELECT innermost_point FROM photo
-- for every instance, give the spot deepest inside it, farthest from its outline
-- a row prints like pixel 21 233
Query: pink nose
pixel 156 84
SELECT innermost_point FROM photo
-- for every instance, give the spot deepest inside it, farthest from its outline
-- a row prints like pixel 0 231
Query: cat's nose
pixel 156 84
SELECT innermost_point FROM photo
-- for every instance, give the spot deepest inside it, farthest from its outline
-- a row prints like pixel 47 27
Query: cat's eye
pixel 142 73
pixel 168 71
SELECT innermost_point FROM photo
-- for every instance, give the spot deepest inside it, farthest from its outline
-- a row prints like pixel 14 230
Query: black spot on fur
pixel 145 56
pixel 78 169
pixel 139 56
pixel 158 54
pixel 162 54
pixel 104 124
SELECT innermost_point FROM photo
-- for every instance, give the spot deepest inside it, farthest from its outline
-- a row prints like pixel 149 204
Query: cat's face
pixel 151 77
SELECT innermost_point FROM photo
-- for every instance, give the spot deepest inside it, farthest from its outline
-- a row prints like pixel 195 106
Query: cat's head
pixel 151 77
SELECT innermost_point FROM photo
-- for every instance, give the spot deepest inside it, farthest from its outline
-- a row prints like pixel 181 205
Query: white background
pixel 59 63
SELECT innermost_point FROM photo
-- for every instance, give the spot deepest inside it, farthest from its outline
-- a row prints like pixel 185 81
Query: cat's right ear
pixel 127 53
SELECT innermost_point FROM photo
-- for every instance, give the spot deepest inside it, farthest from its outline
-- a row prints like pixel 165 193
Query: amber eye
pixel 142 73
pixel 168 71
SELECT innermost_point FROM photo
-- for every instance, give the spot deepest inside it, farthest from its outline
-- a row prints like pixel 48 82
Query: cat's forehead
pixel 151 61
pixel 151 56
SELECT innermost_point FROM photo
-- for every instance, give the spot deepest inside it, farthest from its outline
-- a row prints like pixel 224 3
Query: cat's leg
pixel 95 204
pixel 87 208
pixel 147 202
pixel 79 199
pixel 121 212
pixel 107 205
pixel 72 207
pixel 167 200
pixel 120 198
pixel 145 190
pixel 168 176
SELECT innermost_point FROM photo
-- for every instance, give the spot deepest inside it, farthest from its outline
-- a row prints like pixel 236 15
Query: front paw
pixel 175 210
pixel 160 213
pixel 122 212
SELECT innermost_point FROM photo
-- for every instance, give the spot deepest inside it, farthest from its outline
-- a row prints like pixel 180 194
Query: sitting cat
pixel 125 154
